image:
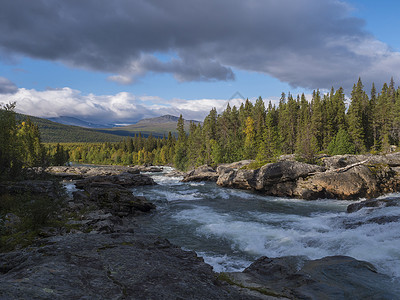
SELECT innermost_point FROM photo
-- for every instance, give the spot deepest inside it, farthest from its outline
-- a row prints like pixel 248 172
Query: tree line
pixel 21 147
pixel 370 122
pixel 326 124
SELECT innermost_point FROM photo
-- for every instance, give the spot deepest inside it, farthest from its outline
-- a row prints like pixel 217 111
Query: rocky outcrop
pixel 203 173
pixel 43 187
pixel 345 177
pixel 124 179
pixel 127 265
pixel 109 266
pixel 78 172
pixel 208 173
pixel 148 168
pixel 335 277
pixel 278 179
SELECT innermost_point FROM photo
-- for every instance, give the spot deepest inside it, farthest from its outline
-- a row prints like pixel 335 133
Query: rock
pixel 151 169
pixel 334 277
pixel 109 266
pixel 113 198
pixel 203 173
pixel 124 179
pixel 44 187
pixel 360 181
pixel 348 177
pixel 354 183
pixel 340 161
pixel 78 172
pixel 394 201
pixel 272 179
pixel 233 166
pixel 176 173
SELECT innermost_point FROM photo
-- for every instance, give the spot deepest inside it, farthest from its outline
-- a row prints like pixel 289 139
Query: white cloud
pixel 120 108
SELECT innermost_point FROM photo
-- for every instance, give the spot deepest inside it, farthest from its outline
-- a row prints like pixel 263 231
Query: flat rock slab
pixel 109 266
pixel 334 277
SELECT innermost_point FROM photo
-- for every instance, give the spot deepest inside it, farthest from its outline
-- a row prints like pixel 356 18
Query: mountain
pixel 77 122
pixel 52 132
pixel 158 127
pixel 55 132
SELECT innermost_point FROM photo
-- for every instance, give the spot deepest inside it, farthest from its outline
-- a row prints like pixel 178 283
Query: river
pixel 231 228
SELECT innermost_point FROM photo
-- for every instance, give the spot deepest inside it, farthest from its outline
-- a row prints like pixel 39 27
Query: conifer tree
pixel 356 117
pixel 180 158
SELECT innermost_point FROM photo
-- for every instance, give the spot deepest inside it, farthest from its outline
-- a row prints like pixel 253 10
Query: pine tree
pixel 357 117
pixel 180 158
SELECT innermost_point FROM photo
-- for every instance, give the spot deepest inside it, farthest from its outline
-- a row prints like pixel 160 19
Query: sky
pixel 123 60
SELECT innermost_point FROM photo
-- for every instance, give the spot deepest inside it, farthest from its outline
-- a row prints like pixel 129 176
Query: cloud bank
pixel 307 43
pixel 120 108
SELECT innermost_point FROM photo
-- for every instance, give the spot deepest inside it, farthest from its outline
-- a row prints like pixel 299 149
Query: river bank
pixel 346 177
pixel 115 253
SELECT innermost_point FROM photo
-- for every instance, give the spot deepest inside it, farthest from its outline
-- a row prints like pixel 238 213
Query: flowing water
pixel 231 228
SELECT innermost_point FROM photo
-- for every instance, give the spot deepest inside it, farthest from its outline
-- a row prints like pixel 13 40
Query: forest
pixel 327 124
pixel 21 148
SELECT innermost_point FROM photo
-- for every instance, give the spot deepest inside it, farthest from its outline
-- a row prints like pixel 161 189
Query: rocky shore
pixel 346 177
pixel 101 252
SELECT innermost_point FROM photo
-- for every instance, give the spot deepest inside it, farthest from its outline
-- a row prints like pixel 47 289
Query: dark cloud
pixel 308 43
pixel 7 87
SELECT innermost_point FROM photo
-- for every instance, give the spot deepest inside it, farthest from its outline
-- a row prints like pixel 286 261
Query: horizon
pixel 148 61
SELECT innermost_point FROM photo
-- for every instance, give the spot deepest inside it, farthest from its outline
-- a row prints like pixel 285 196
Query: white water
pixel 231 228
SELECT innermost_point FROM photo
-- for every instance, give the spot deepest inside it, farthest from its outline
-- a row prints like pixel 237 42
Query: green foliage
pixel 341 144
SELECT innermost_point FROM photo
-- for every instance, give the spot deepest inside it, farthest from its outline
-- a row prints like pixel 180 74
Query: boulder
pixel 233 166
pixel 373 203
pixel 202 173
pixel 348 177
pixel 277 179
pixel 124 179
pixel 334 277
pixel 340 161
pixel 360 181
pixel 354 183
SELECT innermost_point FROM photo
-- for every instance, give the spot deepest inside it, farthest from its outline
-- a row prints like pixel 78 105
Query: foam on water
pixel 70 188
pixel 231 228
pixel 316 236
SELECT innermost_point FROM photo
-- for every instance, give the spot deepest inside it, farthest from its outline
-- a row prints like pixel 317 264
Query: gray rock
pixel 373 203
pixel 109 266
pixel 124 179
pixel 203 173
pixel 277 179
pixel 348 177
pixel 44 187
pixel 335 277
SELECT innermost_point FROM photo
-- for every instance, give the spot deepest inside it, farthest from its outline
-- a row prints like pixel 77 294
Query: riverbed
pixel 231 228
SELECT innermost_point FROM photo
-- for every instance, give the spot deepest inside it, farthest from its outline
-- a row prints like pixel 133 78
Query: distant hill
pixel 77 122
pixel 52 132
pixel 158 127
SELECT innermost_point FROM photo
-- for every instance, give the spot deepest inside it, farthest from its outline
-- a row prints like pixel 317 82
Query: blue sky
pixel 119 61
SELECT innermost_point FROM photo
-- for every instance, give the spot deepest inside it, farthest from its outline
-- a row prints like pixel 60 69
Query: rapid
pixel 231 228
